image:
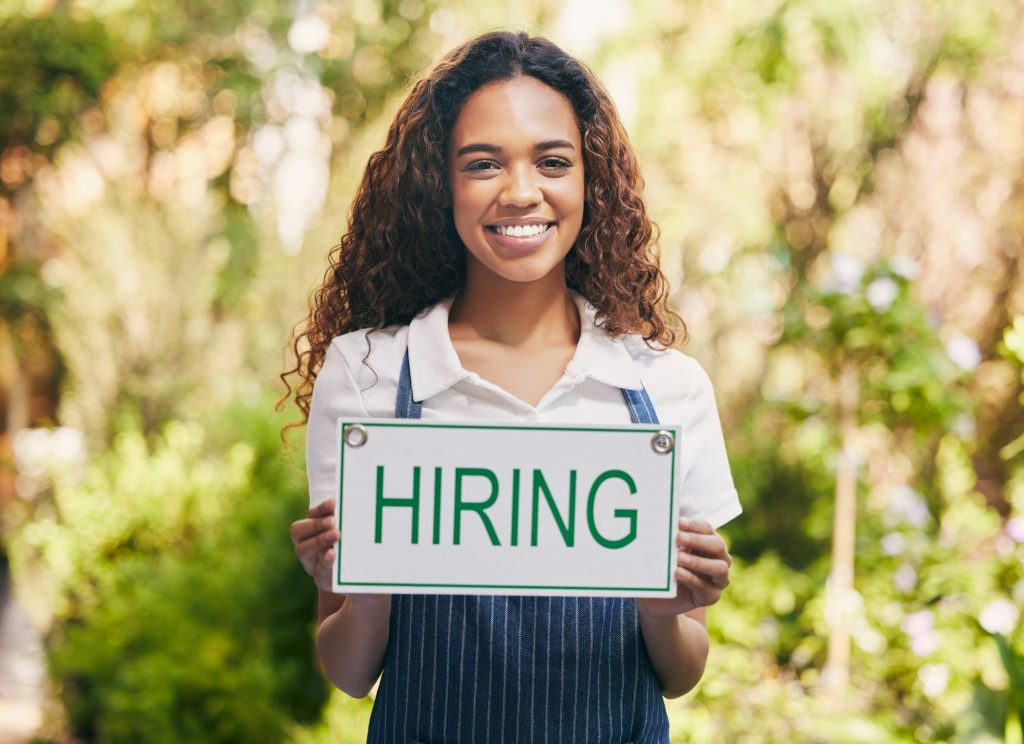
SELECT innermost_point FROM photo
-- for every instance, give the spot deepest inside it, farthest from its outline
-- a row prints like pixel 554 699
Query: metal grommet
pixel 663 442
pixel 355 435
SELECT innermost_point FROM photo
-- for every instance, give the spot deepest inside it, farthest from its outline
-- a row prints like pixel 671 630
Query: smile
pixel 520 231
pixel 520 237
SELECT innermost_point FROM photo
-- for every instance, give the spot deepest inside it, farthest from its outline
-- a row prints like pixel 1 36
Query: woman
pixel 497 267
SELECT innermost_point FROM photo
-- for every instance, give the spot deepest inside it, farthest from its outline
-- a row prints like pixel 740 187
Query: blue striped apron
pixel 516 670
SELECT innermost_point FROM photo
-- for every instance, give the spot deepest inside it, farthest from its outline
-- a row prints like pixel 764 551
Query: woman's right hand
pixel 314 539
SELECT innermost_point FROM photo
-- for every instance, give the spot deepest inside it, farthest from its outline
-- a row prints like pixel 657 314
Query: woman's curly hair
pixel 401 252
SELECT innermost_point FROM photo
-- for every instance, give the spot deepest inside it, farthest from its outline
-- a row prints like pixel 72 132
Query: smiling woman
pixel 516 181
pixel 497 267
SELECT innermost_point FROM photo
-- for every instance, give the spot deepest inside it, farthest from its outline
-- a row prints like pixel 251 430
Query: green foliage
pixel 345 721
pixel 906 377
pixel 53 68
pixel 1014 663
pixel 26 302
pixel 925 576
pixel 183 615
pixel 784 490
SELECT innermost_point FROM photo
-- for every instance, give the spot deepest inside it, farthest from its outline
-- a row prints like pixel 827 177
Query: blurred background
pixel 839 188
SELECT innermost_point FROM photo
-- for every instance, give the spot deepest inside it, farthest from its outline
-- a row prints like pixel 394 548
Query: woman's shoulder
pixel 667 371
pixel 368 356
pixel 372 343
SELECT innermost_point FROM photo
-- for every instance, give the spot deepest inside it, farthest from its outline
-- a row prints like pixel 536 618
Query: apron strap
pixel 641 410
pixel 405 406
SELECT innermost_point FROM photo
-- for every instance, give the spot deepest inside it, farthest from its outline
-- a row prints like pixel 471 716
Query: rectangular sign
pixel 463 508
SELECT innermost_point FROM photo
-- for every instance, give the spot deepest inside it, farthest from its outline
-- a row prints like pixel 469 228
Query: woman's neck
pixel 516 313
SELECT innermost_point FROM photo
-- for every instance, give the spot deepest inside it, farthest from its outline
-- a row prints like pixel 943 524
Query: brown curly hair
pixel 401 252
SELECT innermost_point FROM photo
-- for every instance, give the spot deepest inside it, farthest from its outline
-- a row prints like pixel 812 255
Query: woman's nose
pixel 521 187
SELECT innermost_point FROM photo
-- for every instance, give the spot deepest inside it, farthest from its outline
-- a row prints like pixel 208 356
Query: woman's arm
pixel 351 639
pixel 674 629
pixel 678 648
pixel 352 630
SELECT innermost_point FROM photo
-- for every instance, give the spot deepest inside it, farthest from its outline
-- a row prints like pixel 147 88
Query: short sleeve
pixel 708 489
pixel 335 394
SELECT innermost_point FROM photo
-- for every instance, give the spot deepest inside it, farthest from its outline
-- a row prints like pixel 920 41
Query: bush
pixel 184 615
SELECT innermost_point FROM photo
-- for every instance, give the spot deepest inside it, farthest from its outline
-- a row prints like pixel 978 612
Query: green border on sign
pixel 548 587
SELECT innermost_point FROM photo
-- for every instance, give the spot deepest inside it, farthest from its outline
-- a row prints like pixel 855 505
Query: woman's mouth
pixel 520 237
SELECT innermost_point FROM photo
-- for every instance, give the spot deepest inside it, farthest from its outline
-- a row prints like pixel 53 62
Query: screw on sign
pixel 663 442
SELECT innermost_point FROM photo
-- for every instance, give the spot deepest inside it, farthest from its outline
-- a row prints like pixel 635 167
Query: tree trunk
pixel 840 590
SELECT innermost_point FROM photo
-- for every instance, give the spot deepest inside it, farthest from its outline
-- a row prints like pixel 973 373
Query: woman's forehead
pixel 515 111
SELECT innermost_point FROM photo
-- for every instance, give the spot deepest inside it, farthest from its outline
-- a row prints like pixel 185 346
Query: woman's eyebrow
pixel 551 144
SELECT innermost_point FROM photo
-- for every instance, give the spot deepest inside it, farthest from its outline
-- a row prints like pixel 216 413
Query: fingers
pixel 317 518
pixel 322 569
pixel 316 544
pixel 322 509
pixel 704 591
pixel 696 525
pixel 304 529
pixel 314 539
pixel 708 545
pixel 703 559
pixel 714 571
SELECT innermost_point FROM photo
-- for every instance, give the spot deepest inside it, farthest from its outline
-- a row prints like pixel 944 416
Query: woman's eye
pixel 555 163
pixel 480 165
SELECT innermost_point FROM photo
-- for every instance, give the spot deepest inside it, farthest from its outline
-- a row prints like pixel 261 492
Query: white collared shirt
pixel 360 374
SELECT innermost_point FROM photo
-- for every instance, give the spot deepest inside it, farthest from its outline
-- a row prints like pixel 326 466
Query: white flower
pixel 882 292
pixel 964 352
pixel 37 451
pixel 918 622
pixel 999 617
pixel 906 506
pixel 769 629
pixel 964 426
pixel 847 270
pixel 905 578
pixel 893 543
pixel 1015 529
pixel 906 267
pixel 918 514
pixel 67 444
pixel 934 679
pixel 308 34
pixel 302 134
pixel 268 143
pixel 924 643
pixel 920 628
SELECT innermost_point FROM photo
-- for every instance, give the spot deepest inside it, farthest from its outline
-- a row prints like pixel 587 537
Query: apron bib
pixel 516 670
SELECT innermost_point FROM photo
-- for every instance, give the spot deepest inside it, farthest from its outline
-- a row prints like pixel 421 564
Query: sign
pixel 462 508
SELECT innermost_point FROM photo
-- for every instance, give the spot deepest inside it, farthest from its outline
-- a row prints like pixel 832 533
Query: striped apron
pixel 516 670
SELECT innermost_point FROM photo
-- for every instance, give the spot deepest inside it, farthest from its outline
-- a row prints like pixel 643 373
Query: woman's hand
pixel 702 571
pixel 314 539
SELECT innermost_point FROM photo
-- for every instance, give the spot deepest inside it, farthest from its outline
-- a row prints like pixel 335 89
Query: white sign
pixel 450 508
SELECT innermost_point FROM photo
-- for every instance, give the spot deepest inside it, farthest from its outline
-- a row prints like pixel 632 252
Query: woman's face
pixel 515 165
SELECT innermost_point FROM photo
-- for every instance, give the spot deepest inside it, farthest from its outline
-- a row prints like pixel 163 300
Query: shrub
pixel 183 614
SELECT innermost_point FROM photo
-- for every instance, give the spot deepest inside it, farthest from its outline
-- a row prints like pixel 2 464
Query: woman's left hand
pixel 702 571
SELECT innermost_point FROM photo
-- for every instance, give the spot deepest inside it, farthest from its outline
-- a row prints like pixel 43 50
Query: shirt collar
pixel 434 365
pixel 598 355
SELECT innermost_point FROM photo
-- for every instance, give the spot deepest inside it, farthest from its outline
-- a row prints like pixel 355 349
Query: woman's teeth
pixel 520 231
